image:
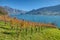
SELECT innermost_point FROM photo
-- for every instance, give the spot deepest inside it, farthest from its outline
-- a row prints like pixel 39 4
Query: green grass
pixel 31 33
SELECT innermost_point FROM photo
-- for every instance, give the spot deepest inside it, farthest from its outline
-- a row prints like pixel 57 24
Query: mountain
pixel 3 11
pixel 51 10
pixel 12 11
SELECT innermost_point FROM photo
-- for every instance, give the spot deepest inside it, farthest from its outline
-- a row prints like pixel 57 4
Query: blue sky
pixel 28 4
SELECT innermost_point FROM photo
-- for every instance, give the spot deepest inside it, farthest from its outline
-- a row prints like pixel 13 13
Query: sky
pixel 28 4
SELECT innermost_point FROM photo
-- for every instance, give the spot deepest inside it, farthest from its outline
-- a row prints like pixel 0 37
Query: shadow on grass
pixel 5 28
pixel 9 33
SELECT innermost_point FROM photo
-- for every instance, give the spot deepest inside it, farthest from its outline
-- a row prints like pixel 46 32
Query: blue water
pixel 41 19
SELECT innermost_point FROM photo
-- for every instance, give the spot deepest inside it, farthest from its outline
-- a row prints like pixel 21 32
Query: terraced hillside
pixel 8 32
pixel 23 23
pixel 13 29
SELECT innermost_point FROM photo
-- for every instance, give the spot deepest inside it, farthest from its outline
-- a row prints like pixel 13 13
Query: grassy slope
pixel 31 33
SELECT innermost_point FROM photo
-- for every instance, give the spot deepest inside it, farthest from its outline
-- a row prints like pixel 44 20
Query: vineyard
pixel 9 32
pixel 13 29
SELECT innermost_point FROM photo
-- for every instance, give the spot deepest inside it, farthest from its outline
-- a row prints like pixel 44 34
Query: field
pixel 9 32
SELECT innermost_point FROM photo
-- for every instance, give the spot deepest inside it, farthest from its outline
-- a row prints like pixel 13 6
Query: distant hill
pixel 11 11
pixel 51 10
pixel 14 11
pixel 3 11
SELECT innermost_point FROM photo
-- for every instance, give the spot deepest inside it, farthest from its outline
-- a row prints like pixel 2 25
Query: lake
pixel 40 18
